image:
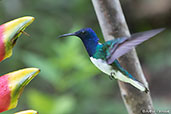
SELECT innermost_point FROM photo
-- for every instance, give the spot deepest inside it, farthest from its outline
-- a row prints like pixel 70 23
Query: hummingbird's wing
pixel 129 43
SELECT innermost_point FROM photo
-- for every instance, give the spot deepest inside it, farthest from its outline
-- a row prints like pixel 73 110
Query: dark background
pixel 69 83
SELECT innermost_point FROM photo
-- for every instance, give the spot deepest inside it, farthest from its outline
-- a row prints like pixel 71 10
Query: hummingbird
pixel 104 56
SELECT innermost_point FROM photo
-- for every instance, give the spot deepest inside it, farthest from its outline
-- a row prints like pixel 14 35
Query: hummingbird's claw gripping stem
pixel 111 75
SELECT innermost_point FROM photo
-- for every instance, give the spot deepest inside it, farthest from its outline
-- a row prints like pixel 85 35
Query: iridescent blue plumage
pixel 89 39
pixel 105 55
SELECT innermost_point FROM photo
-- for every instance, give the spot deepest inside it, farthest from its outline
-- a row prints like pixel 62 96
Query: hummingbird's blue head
pixel 86 33
pixel 88 37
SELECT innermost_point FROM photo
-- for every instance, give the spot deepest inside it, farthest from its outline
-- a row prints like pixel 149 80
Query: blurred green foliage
pixel 68 83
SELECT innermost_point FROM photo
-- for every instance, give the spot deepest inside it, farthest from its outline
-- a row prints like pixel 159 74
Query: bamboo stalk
pixel 113 25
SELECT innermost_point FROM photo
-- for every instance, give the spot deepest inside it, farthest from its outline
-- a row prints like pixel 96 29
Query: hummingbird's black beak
pixel 64 35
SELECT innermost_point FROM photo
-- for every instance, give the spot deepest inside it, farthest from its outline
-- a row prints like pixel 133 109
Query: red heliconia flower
pixel 12 85
pixel 9 33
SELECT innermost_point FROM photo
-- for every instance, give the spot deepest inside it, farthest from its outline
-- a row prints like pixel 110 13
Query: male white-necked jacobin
pixel 104 56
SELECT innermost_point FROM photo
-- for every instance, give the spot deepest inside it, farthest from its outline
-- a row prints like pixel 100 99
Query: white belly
pixel 104 67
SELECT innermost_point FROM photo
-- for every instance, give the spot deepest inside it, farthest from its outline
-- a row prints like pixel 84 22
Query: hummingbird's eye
pixel 83 32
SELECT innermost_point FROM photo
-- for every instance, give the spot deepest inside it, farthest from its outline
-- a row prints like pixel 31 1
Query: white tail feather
pixel 133 82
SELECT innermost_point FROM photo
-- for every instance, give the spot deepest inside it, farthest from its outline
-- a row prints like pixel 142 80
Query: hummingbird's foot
pixel 146 90
pixel 111 75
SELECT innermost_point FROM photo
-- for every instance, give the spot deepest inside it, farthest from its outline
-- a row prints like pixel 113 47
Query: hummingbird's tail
pixel 131 80
pixel 124 76
pixel 138 85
